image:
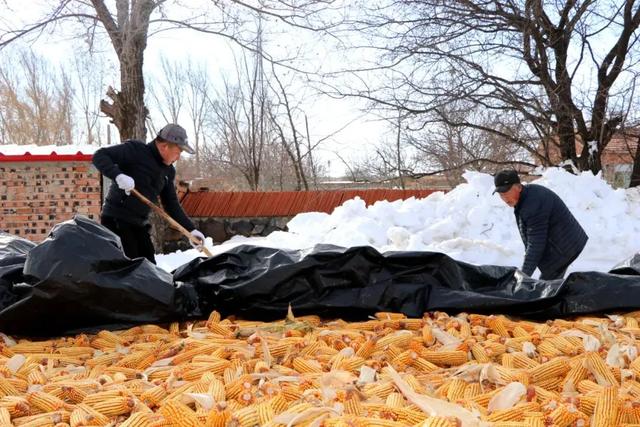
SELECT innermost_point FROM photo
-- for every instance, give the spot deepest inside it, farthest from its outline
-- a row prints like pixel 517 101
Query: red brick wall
pixel 36 195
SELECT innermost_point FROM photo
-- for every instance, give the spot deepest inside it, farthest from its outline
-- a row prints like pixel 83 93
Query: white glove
pixel 198 235
pixel 125 182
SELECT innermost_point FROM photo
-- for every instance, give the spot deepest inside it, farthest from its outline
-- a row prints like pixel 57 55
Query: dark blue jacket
pixel 552 236
pixel 152 177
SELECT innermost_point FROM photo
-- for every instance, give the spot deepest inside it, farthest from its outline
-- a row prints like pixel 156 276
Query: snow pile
pixel 468 223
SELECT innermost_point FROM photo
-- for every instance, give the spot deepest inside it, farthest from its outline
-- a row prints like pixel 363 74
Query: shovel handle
pixel 172 221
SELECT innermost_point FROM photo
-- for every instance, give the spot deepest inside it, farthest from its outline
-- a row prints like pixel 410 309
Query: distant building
pixel 617 158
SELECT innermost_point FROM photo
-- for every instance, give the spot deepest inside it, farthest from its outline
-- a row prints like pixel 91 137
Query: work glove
pixel 125 182
pixel 198 235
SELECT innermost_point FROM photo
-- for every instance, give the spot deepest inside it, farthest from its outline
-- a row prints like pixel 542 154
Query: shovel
pixel 172 221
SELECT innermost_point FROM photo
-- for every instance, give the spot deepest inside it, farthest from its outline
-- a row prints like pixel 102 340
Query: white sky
pixel 468 223
pixel 325 115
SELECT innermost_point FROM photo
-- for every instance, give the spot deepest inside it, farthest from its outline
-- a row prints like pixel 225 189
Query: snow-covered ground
pixel 468 223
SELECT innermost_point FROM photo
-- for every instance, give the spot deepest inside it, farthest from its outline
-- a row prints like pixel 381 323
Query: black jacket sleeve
pixel 536 219
pixel 171 204
pixel 106 159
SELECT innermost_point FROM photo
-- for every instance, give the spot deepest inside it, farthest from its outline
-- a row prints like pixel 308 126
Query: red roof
pixel 283 203
pixel 51 157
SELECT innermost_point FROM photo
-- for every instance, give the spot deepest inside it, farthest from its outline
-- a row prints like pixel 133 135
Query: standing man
pixel 552 237
pixel 149 169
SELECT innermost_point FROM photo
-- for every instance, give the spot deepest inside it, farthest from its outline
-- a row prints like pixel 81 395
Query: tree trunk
pixel 131 113
pixel 128 36
pixel 635 174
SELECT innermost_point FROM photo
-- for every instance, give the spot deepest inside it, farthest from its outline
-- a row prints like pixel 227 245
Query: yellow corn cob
pixel 534 419
pixel 73 394
pixel 594 362
pixel 494 349
pixel 498 326
pixel 439 422
pixel 472 390
pixel 105 359
pixel 479 353
pixel 575 375
pixel 116 406
pixel 279 403
pixel 427 336
pixel 45 402
pixel 395 400
pixel 522 361
pixel 25 347
pixel 219 329
pixel 186 356
pixel 304 366
pixel 513 414
pixel 47 419
pixel 95 398
pixel 562 416
pixel 6 388
pixel 519 331
pixel 548 350
pixel 352 405
pixel 631 322
pixel 245 417
pixel 544 396
pixel 445 358
pixel 179 414
pixel 553 368
pixel 456 389
pixel 5 416
pixel 265 413
pixel 218 417
pixel 399 339
pixel 217 390
pixel 84 415
pixel 484 398
pixel 137 419
pixel 508 360
pixel 153 396
pixel 607 407
pixel 386 315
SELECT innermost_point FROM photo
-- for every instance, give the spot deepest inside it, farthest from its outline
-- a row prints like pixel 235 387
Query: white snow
pixel 14 150
pixel 468 223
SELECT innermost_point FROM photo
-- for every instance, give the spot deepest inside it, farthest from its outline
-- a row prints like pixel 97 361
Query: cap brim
pixel 502 188
pixel 186 147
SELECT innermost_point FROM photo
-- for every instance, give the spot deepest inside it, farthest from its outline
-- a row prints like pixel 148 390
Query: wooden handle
pixel 172 221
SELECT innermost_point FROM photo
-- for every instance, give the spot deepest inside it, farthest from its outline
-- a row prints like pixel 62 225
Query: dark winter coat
pixel 152 177
pixel 552 236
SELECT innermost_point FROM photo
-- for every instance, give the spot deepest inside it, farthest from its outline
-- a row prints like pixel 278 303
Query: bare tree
pixel 242 121
pixel 36 102
pixel 198 92
pixel 525 61
pixel 89 74
pixel 168 90
pixel 128 24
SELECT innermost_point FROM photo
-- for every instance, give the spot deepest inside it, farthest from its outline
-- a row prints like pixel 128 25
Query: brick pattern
pixel 36 195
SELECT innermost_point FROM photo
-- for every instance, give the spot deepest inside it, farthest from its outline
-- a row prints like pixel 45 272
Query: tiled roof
pixel 35 153
pixel 283 203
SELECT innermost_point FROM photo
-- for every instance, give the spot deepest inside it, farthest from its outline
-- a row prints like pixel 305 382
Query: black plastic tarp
pixel 13 254
pixel 79 279
pixel 260 283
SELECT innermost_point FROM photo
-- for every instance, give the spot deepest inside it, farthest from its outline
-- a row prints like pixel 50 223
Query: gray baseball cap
pixel 177 135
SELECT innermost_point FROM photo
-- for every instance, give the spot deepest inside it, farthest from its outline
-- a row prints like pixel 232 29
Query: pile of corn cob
pixel 441 370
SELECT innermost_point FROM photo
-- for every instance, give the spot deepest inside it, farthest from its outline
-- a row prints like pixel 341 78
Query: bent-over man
pixel 552 236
